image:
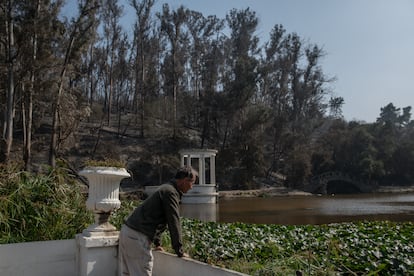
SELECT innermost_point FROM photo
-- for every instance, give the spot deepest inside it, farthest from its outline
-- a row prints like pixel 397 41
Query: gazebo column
pixel 201 171
pixel 212 169
pixel 189 160
pixel 186 160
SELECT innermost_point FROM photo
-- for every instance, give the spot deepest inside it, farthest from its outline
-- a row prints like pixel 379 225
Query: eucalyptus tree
pixel 359 155
pixel 324 156
pixel 211 93
pixel 143 49
pixel 24 35
pixel 392 116
pixel 206 57
pixel 27 99
pixel 241 67
pixel 68 49
pixel 335 106
pixel 8 14
pixel 39 26
pixel 90 68
pixel 308 103
pixel 294 87
pixel 111 12
pixel 239 91
pixel 394 132
pixel 275 90
pixel 121 74
pixel 173 28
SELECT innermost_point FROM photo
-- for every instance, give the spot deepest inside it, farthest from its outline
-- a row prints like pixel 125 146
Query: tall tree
pixel 293 85
pixel 172 24
pixel 243 116
pixel 8 9
pixel 206 58
pixel 77 39
pixel 274 88
pixel 112 34
pixel 37 19
pixel 391 115
pixel 335 106
pixel 241 76
pixel 27 110
pixel 390 130
pixel 142 47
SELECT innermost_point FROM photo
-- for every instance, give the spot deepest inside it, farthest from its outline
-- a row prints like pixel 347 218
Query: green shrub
pixel 42 206
pixel 118 217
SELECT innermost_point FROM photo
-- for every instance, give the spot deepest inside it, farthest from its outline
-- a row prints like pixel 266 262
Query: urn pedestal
pixel 98 244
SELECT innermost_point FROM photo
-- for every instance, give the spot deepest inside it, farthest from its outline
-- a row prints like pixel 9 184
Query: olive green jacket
pixel 158 211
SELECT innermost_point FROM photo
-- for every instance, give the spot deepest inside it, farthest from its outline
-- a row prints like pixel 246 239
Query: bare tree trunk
pixel 142 89
pixel 175 110
pixel 28 114
pixel 56 106
pixel 91 79
pixel 28 122
pixel 8 137
pixel 110 94
pixel 226 131
pixel 142 9
pixel 55 121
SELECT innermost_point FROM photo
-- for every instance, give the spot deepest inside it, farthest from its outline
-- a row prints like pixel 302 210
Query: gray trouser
pixel 135 253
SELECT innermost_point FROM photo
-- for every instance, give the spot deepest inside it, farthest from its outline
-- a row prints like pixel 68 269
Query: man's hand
pixel 159 248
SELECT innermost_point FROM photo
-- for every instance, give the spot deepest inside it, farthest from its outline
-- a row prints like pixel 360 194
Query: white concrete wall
pixel 166 264
pixel 45 258
pixel 58 258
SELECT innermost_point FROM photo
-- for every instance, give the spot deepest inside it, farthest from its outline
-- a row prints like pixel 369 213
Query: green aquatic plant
pixel 361 248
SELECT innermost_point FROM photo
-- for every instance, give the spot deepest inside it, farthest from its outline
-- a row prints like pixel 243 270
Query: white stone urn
pixel 103 197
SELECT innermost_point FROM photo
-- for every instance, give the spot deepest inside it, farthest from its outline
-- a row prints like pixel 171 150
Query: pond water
pixel 296 210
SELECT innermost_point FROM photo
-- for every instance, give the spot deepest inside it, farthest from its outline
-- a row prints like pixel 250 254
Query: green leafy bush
pixel 118 217
pixel 42 206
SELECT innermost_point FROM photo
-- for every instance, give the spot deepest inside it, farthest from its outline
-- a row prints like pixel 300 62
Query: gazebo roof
pixel 194 152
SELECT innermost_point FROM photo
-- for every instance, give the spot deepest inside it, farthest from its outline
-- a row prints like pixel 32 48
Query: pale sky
pixel 369 44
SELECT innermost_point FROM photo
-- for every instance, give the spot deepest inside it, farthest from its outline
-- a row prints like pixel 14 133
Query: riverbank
pixel 396 189
pixel 264 192
pixel 283 191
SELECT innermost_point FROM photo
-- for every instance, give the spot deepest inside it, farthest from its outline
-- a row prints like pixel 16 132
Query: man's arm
pixel 172 213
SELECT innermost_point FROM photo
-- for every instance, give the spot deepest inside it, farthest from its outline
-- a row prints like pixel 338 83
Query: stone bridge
pixel 338 182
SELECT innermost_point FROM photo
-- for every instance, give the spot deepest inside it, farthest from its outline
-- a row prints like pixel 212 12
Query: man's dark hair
pixel 186 171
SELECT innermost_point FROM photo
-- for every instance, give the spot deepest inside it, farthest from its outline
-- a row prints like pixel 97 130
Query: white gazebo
pixel 204 161
pixel 205 189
